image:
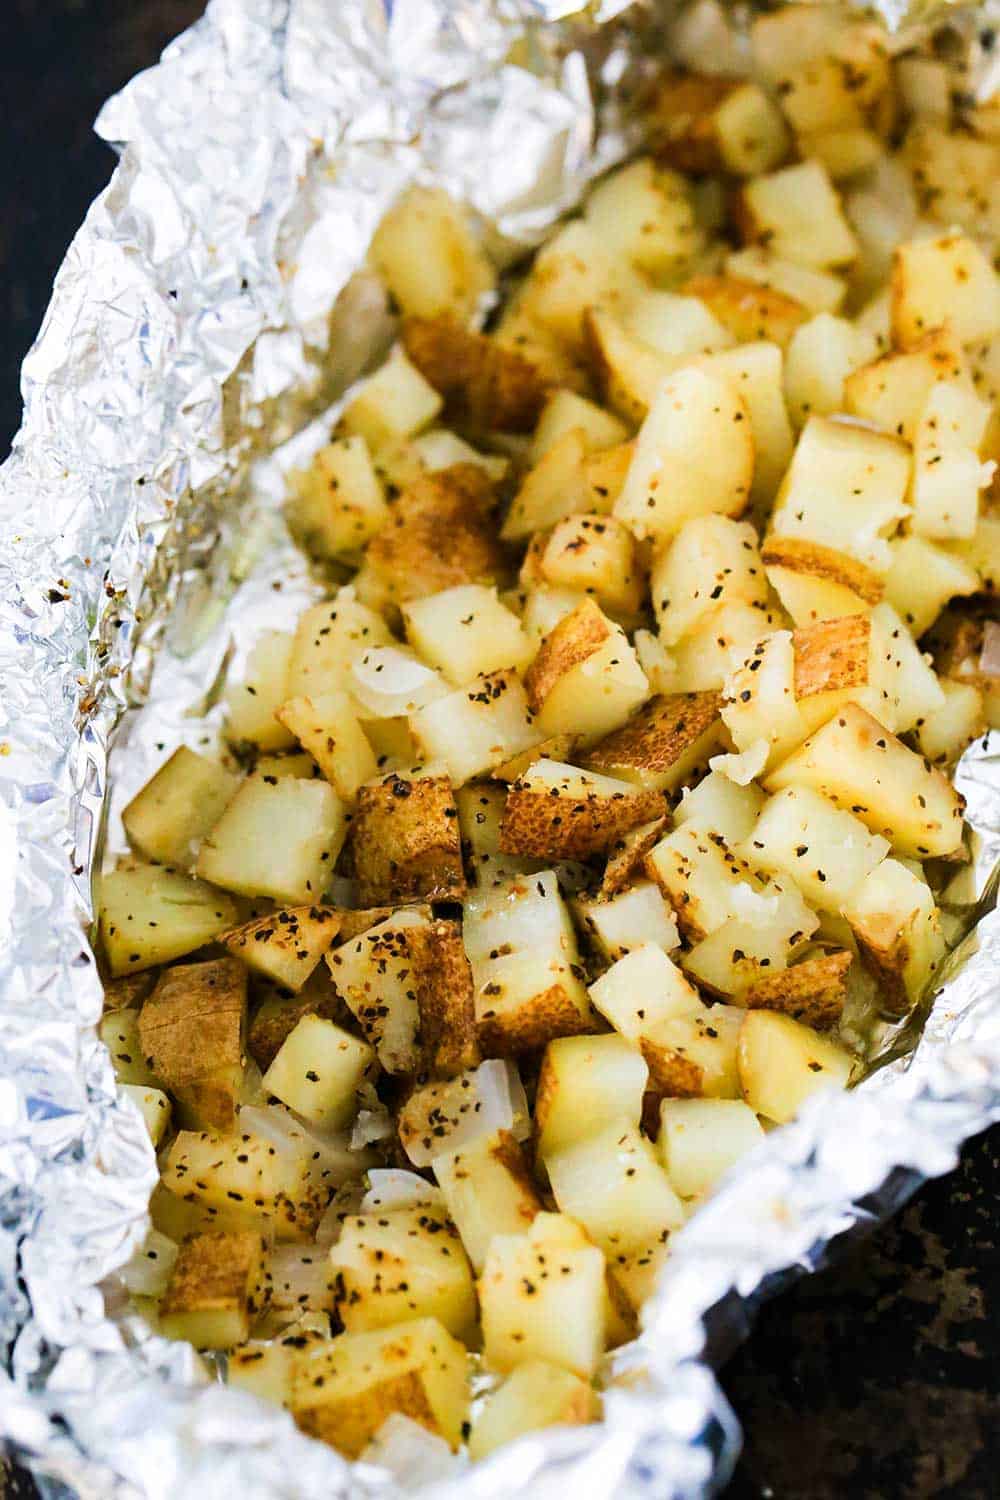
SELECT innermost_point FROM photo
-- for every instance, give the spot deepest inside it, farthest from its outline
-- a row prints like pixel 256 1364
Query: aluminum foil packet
pixel 209 309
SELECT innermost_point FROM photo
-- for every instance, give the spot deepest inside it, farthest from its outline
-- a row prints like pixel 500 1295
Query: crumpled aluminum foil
pixel 207 310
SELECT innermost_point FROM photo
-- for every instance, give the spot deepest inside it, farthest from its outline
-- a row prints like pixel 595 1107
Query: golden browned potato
pixel 556 811
pixel 486 386
pixel 666 742
pixel 748 309
pixel 440 534
pixel 445 1003
pixel 287 944
pixel 191 1032
pixel 406 841
pixel 216 1290
pixel 813 991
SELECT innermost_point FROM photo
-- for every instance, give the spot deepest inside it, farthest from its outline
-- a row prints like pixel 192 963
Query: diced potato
pixel 702 660
pixel 797 213
pixel 748 309
pixel 280 1010
pixel 428 256
pixel 760 704
pixel 717 805
pixel 440 534
pixel 318 1070
pixel 525 965
pixel 438 1118
pixel 813 991
pixel 821 356
pixel 486 387
pixel 286 945
pixel 399 1265
pixel 700 1139
pixel 826 851
pixel 252 703
pixel 328 638
pixel 477 727
pixel 643 213
pixel 480 815
pixel 154 1106
pixel 191 1033
pixel 215 1290
pixel 148 915
pixel 846 489
pixel 947 280
pixel 248 1178
pixel 714 124
pixel 556 811
pixel 177 806
pixel 642 990
pixel 619 924
pixel 558 1317
pixel 665 744
pixel 488 1190
pixel 595 554
pixel 629 369
pixel 567 411
pixel 586 1083
pixel 892 391
pixel 816 583
pixel 264 1368
pixel 445 1003
pixel 586 679
pixel 536 1395
pixel 782 1063
pixel 947 472
pixel 735 957
pixel 327 726
pixel 904 685
pixel 119 1031
pixel 612 1184
pixel 281 840
pixel 922 578
pixel 860 766
pixel 553 488
pixel 337 504
pixel 896 924
pixel 755 371
pixel 954 173
pixel 465 632
pixel 574 271
pixel 343 1390
pixel 406 842
pixel 711 560
pixel 373 974
pixel 945 733
pixel 394 403
pixel 694 455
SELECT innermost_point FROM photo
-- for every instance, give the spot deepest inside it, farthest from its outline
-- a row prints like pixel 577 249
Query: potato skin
pixel 445 1000
pixel 812 991
pixel 440 534
pixel 799 555
pixel 486 386
pixel 406 841
pixel 571 827
pixel 573 639
pixel 661 733
pixel 191 1032
pixel 831 654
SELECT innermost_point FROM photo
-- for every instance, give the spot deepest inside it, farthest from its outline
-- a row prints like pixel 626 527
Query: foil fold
pixel 210 309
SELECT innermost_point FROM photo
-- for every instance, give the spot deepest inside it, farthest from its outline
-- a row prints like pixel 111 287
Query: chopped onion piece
pixel 394 1187
pixel 147 1273
pixel 390 682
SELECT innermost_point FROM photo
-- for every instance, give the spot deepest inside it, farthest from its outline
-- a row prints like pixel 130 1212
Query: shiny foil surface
pixel 208 312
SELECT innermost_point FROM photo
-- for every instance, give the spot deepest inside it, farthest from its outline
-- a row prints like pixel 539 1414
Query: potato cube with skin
pixel 154 1106
pixel 397 1265
pixel 440 534
pixel 406 841
pixel 821 356
pixel 191 1033
pixel 718 805
pixel 264 1367
pixel 694 455
pixel 327 726
pixel 815 582
pixel 250 1179
pixel 813 991
pixel 586 679
pixel 477 727
pixel 693 1055
pixel 486 387
pixel 586 1083
pixel 711 561
pixel 641 990
pixel 596 555
pixel 394 403
pixel 629 369
pixel 177 807
pixel 318 1071
pixel 797 213
pixel 748 309
pixel 428 256
pixel 287 944
pixel 525 965
pixel 826 851
pixel 252 702
pixel 480 814
pixel 328 639
pixel 716 124
pixel 149 915
pixel 465 632
pixel 898 931
pixel 782 1063
pixel 554 487
pixel 619 924
pixel 665 743
pixel 845 489
pixel 488 1189
pixel 574 271
pixel 700 1139
pixel 441 1117
pixel 342 1390
pixel 644 213
pixel 566 411
pixel 556 811
pixel 373 973
pixel 280 841
pixel 755 370
pixel 733 958
pixel 922 578
pixel 947 472
pixel 820 291
pixel 215 1291
pixel 856 763
pixel 943 281
pixel 337 504
pixel 445 1003
pixel 119 1031
pixel 536 1395
pixel 558 1316
pixel 892 391
pixel 612 1184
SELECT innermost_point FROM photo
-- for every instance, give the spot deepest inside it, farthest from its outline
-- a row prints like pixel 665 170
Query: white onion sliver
pixel 390 682
pixel 147 1273
pixel 394 1187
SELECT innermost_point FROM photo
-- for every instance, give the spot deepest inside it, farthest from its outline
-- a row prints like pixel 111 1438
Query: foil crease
pixel 209 310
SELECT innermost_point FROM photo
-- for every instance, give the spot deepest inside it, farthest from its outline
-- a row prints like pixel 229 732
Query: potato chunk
pixel 643 212
pixel 898 930
pixel 394 403
pixel 486 387
pixel 477 727
pixel 783 1062
pixel 710 562
pixel 586 1082
pixel 318 1070
pixel 373 973
pixel 191 1033
pixel 445 1003
pixel 342 1390
pixel 252 703
pixel 749 309
pixel 286 945
pixel 586 678
pixel 488 1189
pixel 812 991
pixel 534 1396
pixel 176 808
pixel 439 535
pixel 558 1316
pixel 619 923
pixel 427 254
pixel 337 504
pixel 278 840
pixel 713 124
pixel 947 280
pixel 249 1178
pixel 596 555
pixel 465 631
pixel 815 582
pixel 328 639
pixel 694 455
pixel 327 725
pixel 826 851
pixel 398 1265
pixel 700 1139
pixel 665 744
pixel 797 213
pixel 148 915
pixel 406 842
pixel 641 990
pixel 612 1184
pixel 215 1291
pixel 556 811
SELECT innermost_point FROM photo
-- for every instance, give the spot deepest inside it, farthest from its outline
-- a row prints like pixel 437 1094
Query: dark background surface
pixel 880 1377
